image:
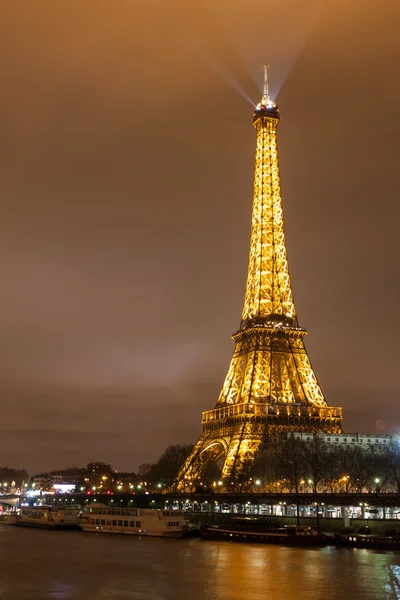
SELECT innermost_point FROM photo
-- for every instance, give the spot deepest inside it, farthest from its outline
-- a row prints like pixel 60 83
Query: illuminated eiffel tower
pixel 270 386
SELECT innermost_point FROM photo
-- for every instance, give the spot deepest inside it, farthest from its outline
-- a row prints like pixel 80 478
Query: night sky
pixel 127 156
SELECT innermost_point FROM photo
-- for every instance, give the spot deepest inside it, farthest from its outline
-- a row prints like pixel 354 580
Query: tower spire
pixel 266 98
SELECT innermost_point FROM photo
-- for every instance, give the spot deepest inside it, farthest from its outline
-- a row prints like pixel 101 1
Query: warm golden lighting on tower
pixel 270 385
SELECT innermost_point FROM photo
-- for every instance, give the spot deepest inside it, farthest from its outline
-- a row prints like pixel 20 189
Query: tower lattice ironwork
pixel 270 386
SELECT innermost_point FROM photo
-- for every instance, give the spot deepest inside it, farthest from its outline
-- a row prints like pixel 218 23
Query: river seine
pixel 37 564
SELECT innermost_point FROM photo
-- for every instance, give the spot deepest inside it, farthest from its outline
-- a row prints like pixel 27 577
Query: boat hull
pixel 9 520
pixel 250 537
pixel 162 534
pixel 46 525
pixel 367 541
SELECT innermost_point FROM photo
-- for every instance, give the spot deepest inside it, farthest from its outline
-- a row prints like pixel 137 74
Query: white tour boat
pixel 48 517
pixel 100 518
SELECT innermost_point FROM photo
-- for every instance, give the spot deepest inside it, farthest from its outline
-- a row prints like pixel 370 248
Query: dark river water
pixel 37 564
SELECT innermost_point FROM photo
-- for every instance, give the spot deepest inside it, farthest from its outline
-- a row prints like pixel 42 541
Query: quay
pixel 327 512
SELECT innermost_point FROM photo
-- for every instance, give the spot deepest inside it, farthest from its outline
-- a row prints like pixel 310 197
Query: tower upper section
pixel 268 298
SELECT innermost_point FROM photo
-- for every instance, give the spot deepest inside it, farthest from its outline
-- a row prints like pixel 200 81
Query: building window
pixel 328 439
pixel 126 524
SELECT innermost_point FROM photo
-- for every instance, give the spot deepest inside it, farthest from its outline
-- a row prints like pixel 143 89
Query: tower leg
pixel 240 455
pixel 208 450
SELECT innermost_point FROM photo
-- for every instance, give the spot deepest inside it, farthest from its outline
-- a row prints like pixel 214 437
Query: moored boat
pixel 253 530
pixel 8 518
pixel 48 517
pixel 358 540
pixel 99 518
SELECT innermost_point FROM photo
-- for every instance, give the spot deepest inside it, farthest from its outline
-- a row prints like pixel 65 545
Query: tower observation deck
pixel 270 386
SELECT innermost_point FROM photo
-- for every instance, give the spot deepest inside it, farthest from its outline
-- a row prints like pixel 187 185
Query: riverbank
pixel 327 525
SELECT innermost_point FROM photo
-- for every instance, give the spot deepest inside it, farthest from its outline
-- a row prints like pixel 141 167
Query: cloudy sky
pixel 126 158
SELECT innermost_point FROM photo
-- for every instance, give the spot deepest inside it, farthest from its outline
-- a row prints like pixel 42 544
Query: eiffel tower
pixel 270 386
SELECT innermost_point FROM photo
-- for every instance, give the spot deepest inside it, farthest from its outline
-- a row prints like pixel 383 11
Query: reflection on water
pixel 61 565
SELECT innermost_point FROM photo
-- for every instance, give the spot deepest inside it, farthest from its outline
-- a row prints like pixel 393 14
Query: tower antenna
pixel 266 97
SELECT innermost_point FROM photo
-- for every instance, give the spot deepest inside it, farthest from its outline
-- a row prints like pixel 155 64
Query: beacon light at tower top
pixel 266 101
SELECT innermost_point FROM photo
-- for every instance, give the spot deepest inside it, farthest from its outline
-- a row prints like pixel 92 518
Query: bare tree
pixel 265 468
pixel 356 463
pixel 291 466
pixel 392 466
pixel 167 467
pixel 333 469
pixel 315 457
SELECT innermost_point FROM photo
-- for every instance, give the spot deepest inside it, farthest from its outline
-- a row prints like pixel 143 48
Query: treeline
pixel 296 466
pixel 293 466
pixel 167 466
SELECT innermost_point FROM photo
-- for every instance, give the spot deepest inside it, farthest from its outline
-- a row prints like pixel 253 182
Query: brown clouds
pixel 126 171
